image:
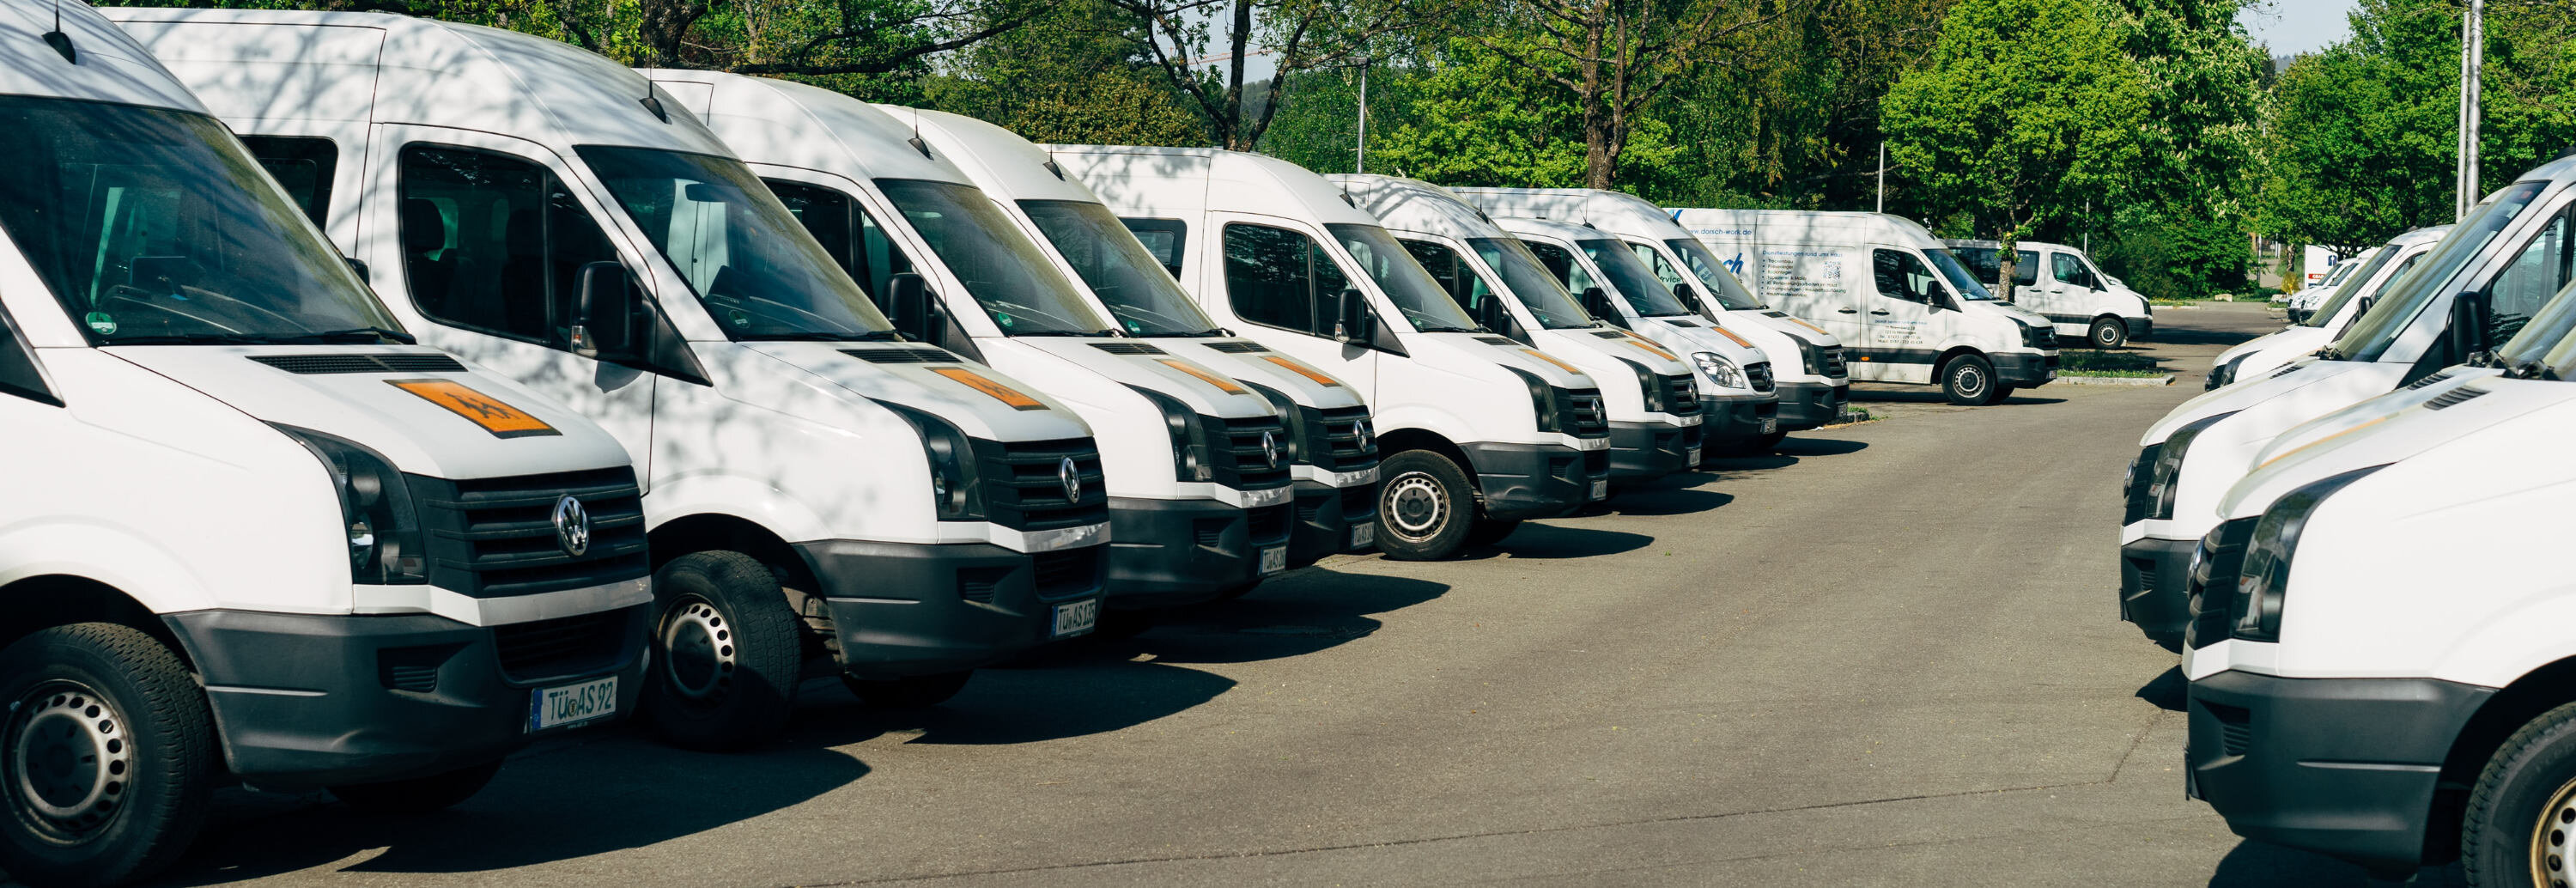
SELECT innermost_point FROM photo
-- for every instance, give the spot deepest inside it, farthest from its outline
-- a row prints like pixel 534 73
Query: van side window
pixel 492 243
pixel 1451 270
pixel 304 165
pixel 2026 268
pixel 1672 277
pixel 1279 278
pixel 1902 275
pixel 1163 238
pixel 2066 268
pixel 2524 286
pixel 845 229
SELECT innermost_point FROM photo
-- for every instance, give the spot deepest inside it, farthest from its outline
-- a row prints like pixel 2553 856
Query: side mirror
pixel 1352 321
pixel 2468 334
pixel 908 301
pixel 604 319
pixel 1596 301
pixel 1688 296
pixel 361 269
pixel 1494 314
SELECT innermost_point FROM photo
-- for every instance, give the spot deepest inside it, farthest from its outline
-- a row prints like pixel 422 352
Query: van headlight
pixel 2225 373
pixel 1191 457
pixel 1720 372
pixel 1545 411
pixel 2163 478
pixel 380 523
pixel 955 486
pixel 2262 585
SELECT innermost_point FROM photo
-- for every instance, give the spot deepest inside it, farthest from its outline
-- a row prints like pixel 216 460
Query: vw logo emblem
pixel 1270 448
pixel 572 526
pixel 1072 479
pixel 1360 434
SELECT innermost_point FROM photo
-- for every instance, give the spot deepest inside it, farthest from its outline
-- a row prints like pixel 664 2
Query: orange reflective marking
pixel 1303 370
pixel 1739 340
pixel 1651 348
pixel 501 419
pixel 2294 451
pixel 1205 375
pixel 1535 353
pixel 1808 326
pixel 995 390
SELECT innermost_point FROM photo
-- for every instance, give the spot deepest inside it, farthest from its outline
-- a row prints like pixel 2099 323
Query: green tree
pixel 1477 118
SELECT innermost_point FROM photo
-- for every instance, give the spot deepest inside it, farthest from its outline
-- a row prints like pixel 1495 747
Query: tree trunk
pixel 1598 158
pixel 1230 130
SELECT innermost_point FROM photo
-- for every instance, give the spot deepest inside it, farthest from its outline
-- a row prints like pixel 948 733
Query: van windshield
pixel 1425 305
pixel 2335 301
pixel 1713 274
pixel 1959 277
pixel 2371 336
pixel 1538 290
pixel 1001 267
pixel 154 226
pixel 753 265
pixel 2541 347
pixel 1633 280
pixel 1117 269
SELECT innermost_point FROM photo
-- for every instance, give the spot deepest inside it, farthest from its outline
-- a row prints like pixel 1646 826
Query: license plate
pixel 1694 457
pixel 572 704
pixel 1274 560
pixel 1364 536
pixel 1077 618
pixel 1601 489
pixel 1770 424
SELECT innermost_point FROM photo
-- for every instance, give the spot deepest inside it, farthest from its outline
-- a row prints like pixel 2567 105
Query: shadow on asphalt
pixel 1929 395
pixel 2255 864
pixel 1663 498
pixel 2188 336
pixel 2168 690
pixel 1550 541
pixel 1295 614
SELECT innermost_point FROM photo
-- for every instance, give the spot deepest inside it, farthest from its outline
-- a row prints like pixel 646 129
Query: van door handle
pixel 1879 312
pixel 1848 311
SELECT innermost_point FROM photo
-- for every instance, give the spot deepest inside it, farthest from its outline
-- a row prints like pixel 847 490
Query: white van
pixel 2483 281
pixel 2333 707
pixel 2329 318
pixel 1913 312
pixel 2062 284
pixel 1477 431
pixel 2306 300
pixel 1806 361
pixel 1198 480
pixel 1654 404
pixel 1330 444
pixel 819 493
pixel 249 531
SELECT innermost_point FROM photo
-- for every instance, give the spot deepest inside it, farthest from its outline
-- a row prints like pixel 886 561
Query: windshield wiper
pixel 364 335
pixel 189 339
pixel 1079 333
pixel 1182 334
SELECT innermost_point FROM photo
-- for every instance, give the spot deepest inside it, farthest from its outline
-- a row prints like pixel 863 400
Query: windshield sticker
pixel 1303 370
pixel 995 390
pixel 102 322
pixel 1640 342
pixel 1535 353
pixel 501 419
pixel 1205 375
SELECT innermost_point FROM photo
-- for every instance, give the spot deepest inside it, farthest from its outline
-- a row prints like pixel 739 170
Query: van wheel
pixel 107 756
pixel 2000 393
pixel 1489 531
pixel 419 795
pixel 2109 333
pixel 1425 507
pixel 2522 815
pixel 1967 380
pixel 726 655
pixel 912 692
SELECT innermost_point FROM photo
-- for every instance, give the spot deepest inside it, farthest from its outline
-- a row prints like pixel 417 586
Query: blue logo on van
pixel 1735 266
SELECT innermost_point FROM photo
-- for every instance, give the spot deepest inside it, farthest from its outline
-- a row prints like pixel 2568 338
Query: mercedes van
pixel 824 498
pixel 1807 362
pixel 1915 311
pixel 2062 284
pixel 1654 404
pixel 251 532
pixel 1330 447
pixel 2328 319
pixel 1477 431
pixel 2301 303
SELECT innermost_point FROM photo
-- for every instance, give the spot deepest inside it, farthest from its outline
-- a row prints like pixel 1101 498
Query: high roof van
pixel 2328 318
pixel 819 492
pixel 2062 284
pixel 1911 311
pixel 1806 361
pixel 249 531
pixel 1478 431
pixel 1330 444
pixel 1654 403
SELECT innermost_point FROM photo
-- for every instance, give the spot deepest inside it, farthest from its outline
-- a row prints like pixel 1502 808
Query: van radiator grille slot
pixel 1342 449
pixel 1587 418
pixel 2428 381
pixel 2454 398
pixel 496 537
pixel 1681 398
pixel 1067 573
pixel 413 669
pixel 543 649
pixel 1834 367
pixel 1758 375
pixel 901 354
pixel 2285 371
pixel 1237 347
pixel 1267 525
pixel 396 363
pixel 1023 483
pixel 2235 727
pixel 1241 462
pixel 1681 323
pixel 979 584
pixel 1128 348
pixel 1596 464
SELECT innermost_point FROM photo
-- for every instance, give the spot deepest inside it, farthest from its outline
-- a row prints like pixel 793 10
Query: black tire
pixel 1487 531
pixel 1967 380
pixel 419 795
pixel 2531 777
pixel 1999 394
pixel 82 706
pixel 726 653
pixel 914 692
pixel 2108 333
pixel 1754 447
pixel 1425 508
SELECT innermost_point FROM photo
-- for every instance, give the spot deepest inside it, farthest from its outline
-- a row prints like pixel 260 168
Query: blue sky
pixel 2290 27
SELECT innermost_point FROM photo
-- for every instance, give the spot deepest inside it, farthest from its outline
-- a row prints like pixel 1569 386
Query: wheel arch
pixel 33 604
pixel 2513 706
pixel 717 531
pixel 1416 438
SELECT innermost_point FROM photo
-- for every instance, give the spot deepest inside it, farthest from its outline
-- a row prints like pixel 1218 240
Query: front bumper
pixel 1520 481
pixel 2155 586
pixel 1168 553
pixel 1806 405
pixel 2341 766
pixel 2021 370
pixel 1733 421
pixel 2140 328
pixel 308 700
pixel 1326 515
pixel 1642 451
pixel 911 609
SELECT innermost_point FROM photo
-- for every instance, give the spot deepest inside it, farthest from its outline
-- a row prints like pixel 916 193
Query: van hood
pixel 2286 337
pixel 1494 348
pixel 1693 334
pixel 2384 435
pixel 979 400
pixel 2370 412
pixel 1249 361
pixel 1798 329
pixel 424 410
pixel 1612 342
pixel 2027 317
pixel 2245 394
pixel 1144 364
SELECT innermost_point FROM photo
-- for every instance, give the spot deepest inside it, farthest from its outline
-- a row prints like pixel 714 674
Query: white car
pixel 2327 319
pixel 2063 284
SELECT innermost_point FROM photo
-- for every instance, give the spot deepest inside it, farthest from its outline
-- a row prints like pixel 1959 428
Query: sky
pixel 2291 27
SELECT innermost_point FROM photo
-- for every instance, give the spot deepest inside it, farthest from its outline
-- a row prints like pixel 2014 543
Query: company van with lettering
pixel 249 531
pixel 2062 284
pixel 823 497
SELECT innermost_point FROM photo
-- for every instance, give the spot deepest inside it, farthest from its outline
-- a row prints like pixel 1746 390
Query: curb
pixel 2166 379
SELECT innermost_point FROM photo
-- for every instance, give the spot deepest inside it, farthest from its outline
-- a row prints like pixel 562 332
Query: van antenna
pixel 651 102
pixel 1051 165
pixel 61 42
pixel 916 142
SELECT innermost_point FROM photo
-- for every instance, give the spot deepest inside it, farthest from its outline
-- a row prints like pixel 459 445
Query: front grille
pixel 918 354
pixel 1067 573
pixel 1681 398
pixel 2213 586
pixel 496 537
pixel 1585 417
pixel 413 669
pixel 1128 348
pixel 2139 502
pixel 2453 398
pixel 2235 727
pixel 401 363
pixel 1237 347
pixel 1758 375
pixel 1023 483
pixel 2147 573
pixel 1343 449
pixel 1359 504
pixel 1241 462
pixel 543 649
pixel 1596 464
pixel 1267 525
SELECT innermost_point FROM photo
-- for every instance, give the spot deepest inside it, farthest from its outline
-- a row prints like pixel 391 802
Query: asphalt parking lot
pixel 1887 655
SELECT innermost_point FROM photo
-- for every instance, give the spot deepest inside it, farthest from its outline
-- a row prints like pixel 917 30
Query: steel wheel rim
pixel 2549 835
pixel 69 761
pixel 1969 381
pixel 1416 506
pixel 699 658
pixel 2106 335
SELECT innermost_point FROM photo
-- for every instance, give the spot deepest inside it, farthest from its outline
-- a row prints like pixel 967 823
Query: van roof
pixel 1207 179
pixel 256 66
pixel 112 66
pixel 1010 167
pixel 1610 211
pixel 791 124
pixel 1566 231
pixel 1416 205
pixel 1808 227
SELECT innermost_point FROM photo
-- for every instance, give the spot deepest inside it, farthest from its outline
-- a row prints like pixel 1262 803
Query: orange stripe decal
pixel 995 390
pixel 1205 375
pixel 1303 370
pixel 1739 340
pixel 1651 348
pixel 501 419
pixel 2295 450
pixel 1809 326
pixel 1535 353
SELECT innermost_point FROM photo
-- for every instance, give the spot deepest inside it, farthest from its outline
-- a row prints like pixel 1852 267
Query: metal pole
pixel 2472 65
pixel 1360 163
pixel 1882 177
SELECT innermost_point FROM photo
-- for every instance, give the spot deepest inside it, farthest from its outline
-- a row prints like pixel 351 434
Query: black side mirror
pixel 2468 334
pixel 1688 296
pixel 908 303
pixel 1596 301
pixel 604 318
pixel 361 269
pixel 1494 314
pixel 1352 320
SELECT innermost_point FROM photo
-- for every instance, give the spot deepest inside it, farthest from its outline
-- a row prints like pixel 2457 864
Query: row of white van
pixel 2353 541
